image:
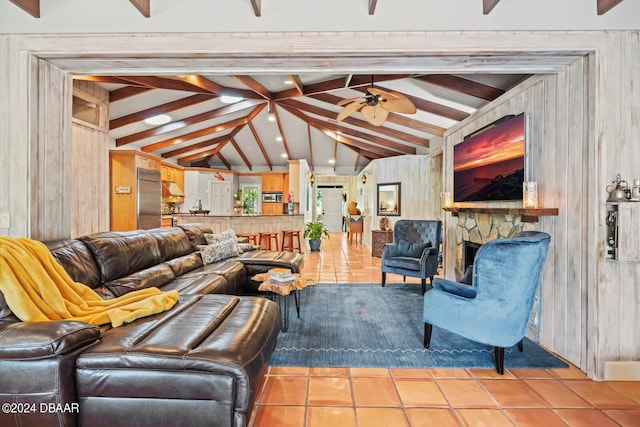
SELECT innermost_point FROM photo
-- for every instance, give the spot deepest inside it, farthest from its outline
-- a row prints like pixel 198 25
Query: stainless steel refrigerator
pixel 149 199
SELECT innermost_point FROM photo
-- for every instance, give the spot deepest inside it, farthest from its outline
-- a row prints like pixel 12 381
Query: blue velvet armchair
pixel 414 251
pixel 495 308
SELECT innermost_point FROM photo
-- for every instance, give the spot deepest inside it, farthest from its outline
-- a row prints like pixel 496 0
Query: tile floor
pixel 369 397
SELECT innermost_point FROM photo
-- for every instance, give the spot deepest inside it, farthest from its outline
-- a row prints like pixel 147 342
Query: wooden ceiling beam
pixel 200 145
pixel 372 6
pixel 32 7
pixel 164 83
pixel 355 166
pixel 332 99
pixel 335 84
pixel 282 134
pixel 143 6
pixel 259 142
pixel 254 86
pixel 179 124
pixel 223 160
pixel 127 92
pixel 488 5
pixel 461 85
pixel 310 146
pixel 240 153
pixel 193 135
pixel 257 7
pixel 159 109
pixel 107 79
pixel 213 87
pixel 202 154
pixel 604 6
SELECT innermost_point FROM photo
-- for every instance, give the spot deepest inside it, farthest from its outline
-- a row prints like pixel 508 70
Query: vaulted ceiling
pixel 278 117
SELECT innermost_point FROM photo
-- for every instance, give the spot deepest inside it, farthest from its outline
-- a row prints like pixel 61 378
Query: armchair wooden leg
pixel 384 278
pixel 427 334
pixel 423 282
pixel 499 353
pixel 521 345
pixel 404 279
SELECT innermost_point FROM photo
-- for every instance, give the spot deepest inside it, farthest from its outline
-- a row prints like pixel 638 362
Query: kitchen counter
pixel 249 224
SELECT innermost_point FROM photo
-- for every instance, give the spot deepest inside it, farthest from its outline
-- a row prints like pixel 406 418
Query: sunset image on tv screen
pixel 490 165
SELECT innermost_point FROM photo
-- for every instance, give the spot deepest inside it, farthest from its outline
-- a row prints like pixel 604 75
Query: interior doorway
pixel 331 205
pixel 219 198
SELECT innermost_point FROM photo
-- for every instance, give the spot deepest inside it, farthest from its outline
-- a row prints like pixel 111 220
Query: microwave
pixel 272 197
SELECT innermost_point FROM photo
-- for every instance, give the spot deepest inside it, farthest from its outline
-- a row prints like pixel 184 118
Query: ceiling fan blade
pixel 351 108
pixel 348 100
pixel 400 105
pixel 382 93
pixel 375 115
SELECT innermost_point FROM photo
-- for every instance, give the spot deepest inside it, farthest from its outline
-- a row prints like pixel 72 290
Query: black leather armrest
pixel 36 340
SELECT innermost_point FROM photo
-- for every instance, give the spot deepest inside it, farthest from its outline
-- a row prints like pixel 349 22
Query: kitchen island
pixel 245 224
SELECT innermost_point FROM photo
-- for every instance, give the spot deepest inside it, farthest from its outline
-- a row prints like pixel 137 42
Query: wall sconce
pixel 364 179
pixel 312 179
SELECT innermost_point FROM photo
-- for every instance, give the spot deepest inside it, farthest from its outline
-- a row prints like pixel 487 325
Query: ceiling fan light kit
pixel 376 104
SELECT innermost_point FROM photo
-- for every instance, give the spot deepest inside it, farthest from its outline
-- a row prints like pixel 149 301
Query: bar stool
pixel 292 245
pixel 266 238
pixel 251 237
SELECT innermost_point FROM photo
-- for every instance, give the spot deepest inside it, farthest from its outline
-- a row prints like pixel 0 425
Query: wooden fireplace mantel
pixel 526 214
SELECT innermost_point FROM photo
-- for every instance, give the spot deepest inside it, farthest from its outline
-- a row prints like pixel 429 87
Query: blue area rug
pixel 372 326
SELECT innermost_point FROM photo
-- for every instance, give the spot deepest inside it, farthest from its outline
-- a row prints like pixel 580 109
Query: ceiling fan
pixel 376 104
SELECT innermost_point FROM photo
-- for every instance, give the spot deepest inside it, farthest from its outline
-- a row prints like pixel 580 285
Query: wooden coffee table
pixel 281 292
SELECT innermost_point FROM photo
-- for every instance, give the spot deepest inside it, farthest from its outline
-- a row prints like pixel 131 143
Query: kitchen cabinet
pixel 285 188
pixel 175 174
pixel 272 182
pixel 271 208
pixel 166 222
pixel 123 187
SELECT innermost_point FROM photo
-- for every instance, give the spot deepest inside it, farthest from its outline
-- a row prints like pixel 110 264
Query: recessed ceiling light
pixel 331 161
pixel 160 119
pixel 272 117
pixel 228 99
pixel 279 138
pixel 288 82
pixel 284 155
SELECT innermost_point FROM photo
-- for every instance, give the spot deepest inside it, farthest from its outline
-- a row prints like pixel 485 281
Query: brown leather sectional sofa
pixel 199 364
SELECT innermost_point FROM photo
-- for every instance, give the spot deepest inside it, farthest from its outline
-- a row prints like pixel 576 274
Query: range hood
pixel 171 189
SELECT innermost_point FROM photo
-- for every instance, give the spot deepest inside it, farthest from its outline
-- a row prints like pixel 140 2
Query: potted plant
pixel 315 231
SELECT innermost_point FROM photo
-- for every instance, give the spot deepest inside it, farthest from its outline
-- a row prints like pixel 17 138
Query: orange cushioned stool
pixel 266 238
pixel 293 244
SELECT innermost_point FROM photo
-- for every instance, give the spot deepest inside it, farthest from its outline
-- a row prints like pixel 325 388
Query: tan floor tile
pixel 512 394
pixel 330 391
pixel 630 389
pixel 281 416
pixel 556 394
pixel 319 416
pixel 449 373
pixel 484 417
pixel 299 371
pixel 423 417
pixel 381 417
pixel 490 373
pixel 375 392
pixel 535 417
pixel 370 372
pixel 531 373
pixel 410 373
pixel 420 392
pixel 465 394
pixel 329 372
pixel 571 373
pixel 624 417
pixel 600 395
pixel 585 418
pixel 282 390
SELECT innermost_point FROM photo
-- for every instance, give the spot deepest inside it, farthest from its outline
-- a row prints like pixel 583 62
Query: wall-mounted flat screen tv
pixel 489 164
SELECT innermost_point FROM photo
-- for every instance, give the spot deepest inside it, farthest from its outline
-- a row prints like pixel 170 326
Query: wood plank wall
pixel 89 171
pixel 557 144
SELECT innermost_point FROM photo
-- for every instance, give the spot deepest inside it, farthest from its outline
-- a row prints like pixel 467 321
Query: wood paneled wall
pixel 89 171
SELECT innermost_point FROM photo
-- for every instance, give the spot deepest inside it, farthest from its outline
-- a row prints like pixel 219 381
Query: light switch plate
pixel 5 220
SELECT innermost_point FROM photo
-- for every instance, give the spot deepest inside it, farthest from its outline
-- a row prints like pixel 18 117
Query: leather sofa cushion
pixel 155 276
pixel 185 264
pixel 291 260
pixel 196 233
pixel 119 254
pixel 77 260
pixel 34 340
pixel 173 242
pixel 199 284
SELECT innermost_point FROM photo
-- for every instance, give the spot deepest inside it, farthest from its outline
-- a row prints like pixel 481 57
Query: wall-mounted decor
pixel 388 200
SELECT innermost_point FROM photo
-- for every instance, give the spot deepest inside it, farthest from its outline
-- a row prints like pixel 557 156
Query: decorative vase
pixel 384 223
pixel 315 245
pixel 291 208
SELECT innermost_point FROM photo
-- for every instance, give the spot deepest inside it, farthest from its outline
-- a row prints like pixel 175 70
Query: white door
pixel 332 208
pixel 219 198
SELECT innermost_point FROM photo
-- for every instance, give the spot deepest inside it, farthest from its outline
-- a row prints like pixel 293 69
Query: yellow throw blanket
pixel 37 289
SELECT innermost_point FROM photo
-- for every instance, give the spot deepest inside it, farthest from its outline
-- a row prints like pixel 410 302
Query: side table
pixel 378 239
pixel 281 291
